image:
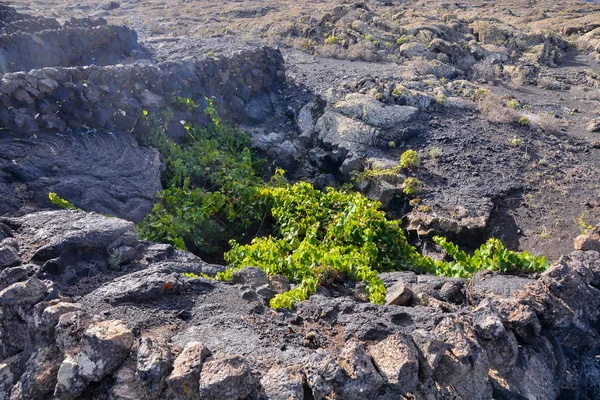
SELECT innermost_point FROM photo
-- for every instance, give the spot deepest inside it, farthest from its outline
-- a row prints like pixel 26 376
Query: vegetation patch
pixel 213 190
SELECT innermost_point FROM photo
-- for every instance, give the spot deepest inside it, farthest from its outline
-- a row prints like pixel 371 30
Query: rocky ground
pixel 501 100
pixel 100 314
pixel 532 195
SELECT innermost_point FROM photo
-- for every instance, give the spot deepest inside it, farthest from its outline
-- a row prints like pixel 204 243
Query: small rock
pixel 22 293
pixel 283 383
pixel 226 379
pixel 69 330
pixel 153 363
pixel 487 322
pixel 104 346
pixel 250 276
pixel 47 85
pixel 322 373
pixel 39 378
pixel 51 315
pixel 399 294
pixel 430 349
pixel 184 380
pixel 594 125
pixel 588 241
pixel 70 384
pixel 396 358
pixel 11 369
pixel 13 275
pixel 266 292
pixel 364 380
pixel 9 256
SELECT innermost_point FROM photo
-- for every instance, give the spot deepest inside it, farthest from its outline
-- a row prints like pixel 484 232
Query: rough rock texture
pixel 493 337
pixel 97 171
pixel 113 97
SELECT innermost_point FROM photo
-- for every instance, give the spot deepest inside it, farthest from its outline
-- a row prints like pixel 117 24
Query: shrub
pixel 211 188
pixel 331 39
pixel 524 121
pixel 60 202
pixel 515 141
pixel 412 186
pixel 494 109
pixel 213 191
pixel 435 153
pixel 514 104
pixel 492 255
pixel 340 230
pixel 410 159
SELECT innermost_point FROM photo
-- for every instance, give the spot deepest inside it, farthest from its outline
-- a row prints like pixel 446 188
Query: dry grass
pixel 547 122
pixel 486 72
pixel 549 83
pixel 495 110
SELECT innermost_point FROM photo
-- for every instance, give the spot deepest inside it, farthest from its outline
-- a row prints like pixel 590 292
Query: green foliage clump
pixel 331 230
pixel 514 104
pixel 524 121
pixel 517 142
pixel 213 191
pixel 332 39
pixel 412 186
pixel 60 202
pixel 410 159
pixel 211 188
pixel 491 255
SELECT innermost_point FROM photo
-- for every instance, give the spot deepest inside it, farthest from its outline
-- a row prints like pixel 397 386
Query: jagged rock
pixel 308 116
pixel 69 383
pixel 464 365
pixel 588 241
pixel 593 125
pixel 565 299
pixel 279 283
pixel 140 287
pixel 350 134
pixel 69 330
pixel 487 284
pixel 283 383
pixel 226 379
pixel 250 276
pixel 23 293
pixel 9 276
pixel 399 294
pixel 384 192
pixel 153 363
pixel 430 350
pixel 104 346
pixel 11 370
pixel 363 379
pixel 39 378
pixel 373 112
pixel 184 380
pixel 414 49
pixel 9 257
pixel 396 359
pixel 127 385
pixel 51 315
pixel 323 373
pixel 59 232
pixel 501 345
pixel 534 376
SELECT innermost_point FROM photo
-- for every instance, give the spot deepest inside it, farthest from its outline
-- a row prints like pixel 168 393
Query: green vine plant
pixel 60 202
pixel 213 189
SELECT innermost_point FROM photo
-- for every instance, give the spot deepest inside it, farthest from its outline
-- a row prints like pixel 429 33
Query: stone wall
pixel 113 97
pixel 67 47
